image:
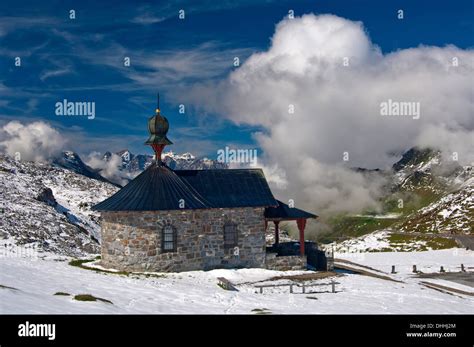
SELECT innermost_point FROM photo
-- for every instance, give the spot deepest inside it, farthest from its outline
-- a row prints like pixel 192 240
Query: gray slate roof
pixel 285 212
pixel 230 187
pixel 161 188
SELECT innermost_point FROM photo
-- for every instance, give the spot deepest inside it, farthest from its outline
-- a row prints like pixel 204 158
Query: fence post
pixel 333 286
pixel 462 268
pixel 261 290
pixel 414 268
pixel 393 269
pixel 291 288
pixel 442 269
pixel 304 289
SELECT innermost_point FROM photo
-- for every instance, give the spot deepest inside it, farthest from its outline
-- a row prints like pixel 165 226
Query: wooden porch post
pixel 277 232
pixel 301 222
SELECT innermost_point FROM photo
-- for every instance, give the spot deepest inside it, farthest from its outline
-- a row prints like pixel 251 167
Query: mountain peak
pixel 73 162
pixel 123 151
pixel 183 156
pixel 134 163
pixel 415 156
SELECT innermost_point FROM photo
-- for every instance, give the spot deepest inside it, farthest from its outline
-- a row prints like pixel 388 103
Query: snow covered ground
pixel 390 241
pixel 374 241
pixel 67 228
pixel 37 277
pixel 430 261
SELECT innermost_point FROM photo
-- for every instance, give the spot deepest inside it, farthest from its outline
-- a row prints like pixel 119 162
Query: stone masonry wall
pixel 285 263
pixel 131 241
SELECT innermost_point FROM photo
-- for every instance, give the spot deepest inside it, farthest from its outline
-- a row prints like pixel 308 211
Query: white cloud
pixel 337 107
pixel 10 24
pixel 454 142
pixel 36 141
pixel 275 176
pixel 146 19
pixel 206 61
pixel 58 71
pixel 109 169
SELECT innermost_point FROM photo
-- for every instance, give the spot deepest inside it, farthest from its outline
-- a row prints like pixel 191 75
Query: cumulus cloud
pixel 37 141
pixel 109 169
pixel 328 71
pixel 275 176
pixel 455 142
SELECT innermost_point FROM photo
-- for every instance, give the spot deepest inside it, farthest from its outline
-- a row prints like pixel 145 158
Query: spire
pixel 158 127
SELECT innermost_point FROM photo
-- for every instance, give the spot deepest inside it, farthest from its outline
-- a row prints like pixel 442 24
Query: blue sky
pixel 82 59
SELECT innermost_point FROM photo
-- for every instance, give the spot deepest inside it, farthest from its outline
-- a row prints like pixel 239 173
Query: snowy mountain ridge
pixel 133 164
pixel 64 223
pixel 72 161
pixel 447 186
pixel 48 204
pixel 61 221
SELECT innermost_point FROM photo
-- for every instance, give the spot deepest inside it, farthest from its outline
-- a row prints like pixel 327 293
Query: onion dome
pixel 158 127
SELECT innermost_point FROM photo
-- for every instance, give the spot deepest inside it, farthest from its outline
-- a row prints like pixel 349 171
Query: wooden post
pixel 414 269
pixel 261 290
pixel 277 232
pixel 462 268
pixel 393 269
pixel 442 269
pixel 301 222
pixel 333 286
pixel 304 289
pixel 291 288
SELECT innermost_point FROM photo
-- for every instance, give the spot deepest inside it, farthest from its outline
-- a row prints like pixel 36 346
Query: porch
pixel 291 255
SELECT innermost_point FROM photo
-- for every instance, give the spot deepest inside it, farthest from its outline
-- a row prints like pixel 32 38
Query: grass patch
pixel 441 243
pixel 62 294
pixel 385 249
pixel 305 277
pixel 412 200
pixel 424 242
pixel 261 311
pixel 80 263
pixel 150 275
pixel 89 297
pixel 345 227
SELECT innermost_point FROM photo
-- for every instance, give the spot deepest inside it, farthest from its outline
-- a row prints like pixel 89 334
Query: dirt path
pixel 361 269
pixel 464 278
pixel 359 265
pixel 447 289
pixel 466 240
